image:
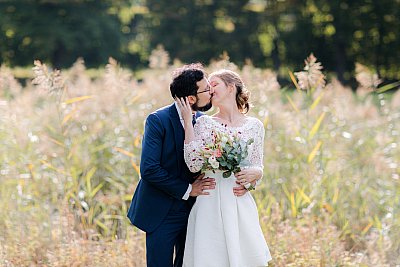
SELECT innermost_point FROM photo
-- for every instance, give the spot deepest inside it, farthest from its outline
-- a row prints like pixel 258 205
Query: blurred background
pixel 274 34
pixel 322 75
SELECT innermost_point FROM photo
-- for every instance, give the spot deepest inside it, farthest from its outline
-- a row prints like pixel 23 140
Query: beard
pixel 204 108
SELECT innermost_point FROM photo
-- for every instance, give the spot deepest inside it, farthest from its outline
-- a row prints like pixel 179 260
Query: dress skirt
pixel 224 230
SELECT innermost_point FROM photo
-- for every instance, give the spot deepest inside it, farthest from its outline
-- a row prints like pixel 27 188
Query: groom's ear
pixel 192 99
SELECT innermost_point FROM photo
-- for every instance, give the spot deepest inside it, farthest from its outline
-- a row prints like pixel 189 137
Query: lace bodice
pixel 251 128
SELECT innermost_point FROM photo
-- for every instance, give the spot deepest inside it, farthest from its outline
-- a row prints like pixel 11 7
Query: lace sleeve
pixel 191 150
pixel 257 156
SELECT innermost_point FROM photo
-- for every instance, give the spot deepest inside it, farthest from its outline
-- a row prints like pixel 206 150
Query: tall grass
pixel 70 156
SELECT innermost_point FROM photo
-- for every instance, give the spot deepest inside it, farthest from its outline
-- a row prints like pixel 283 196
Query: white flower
pixel 213 162
pixel 368 79
pixel 311 77
pixel 224 139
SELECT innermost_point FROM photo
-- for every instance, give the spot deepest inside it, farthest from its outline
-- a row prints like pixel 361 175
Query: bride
pixel 223 229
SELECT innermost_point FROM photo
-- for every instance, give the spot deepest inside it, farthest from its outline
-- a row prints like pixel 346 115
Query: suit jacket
pixel 164 175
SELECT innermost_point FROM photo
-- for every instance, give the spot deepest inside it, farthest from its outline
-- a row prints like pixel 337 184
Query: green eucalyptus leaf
pixel 226 174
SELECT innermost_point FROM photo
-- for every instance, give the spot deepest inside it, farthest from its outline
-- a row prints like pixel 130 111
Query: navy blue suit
pixel 157 206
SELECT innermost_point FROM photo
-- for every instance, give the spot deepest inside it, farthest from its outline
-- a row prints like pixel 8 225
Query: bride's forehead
pixel 214 78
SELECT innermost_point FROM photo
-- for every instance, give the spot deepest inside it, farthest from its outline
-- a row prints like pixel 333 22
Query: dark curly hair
pixel 185 80
pixel 242 94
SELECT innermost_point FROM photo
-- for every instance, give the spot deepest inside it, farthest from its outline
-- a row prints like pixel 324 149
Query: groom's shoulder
pixel 162 112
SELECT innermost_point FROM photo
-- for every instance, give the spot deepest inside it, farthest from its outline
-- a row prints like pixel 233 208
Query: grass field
pixel 70 151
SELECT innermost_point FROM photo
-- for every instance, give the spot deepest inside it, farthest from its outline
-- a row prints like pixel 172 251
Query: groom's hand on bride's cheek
pixel 200 186
pixel 239 190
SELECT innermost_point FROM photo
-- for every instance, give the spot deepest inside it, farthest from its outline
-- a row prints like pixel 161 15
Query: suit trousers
pixel 170 235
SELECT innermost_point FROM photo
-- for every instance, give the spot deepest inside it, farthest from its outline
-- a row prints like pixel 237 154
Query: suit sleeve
pixel 150 164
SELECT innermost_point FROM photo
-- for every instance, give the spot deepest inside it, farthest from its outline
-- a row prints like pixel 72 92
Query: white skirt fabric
pixel 224 230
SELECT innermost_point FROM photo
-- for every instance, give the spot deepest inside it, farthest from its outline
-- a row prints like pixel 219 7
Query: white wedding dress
pixel 224 230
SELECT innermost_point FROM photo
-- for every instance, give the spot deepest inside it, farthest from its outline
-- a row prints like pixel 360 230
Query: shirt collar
pixel 179 111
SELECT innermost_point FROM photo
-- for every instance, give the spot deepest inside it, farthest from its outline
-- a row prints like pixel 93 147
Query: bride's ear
pixel 232 88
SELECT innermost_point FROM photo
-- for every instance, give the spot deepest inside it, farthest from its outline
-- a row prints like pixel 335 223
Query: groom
pixel 167 189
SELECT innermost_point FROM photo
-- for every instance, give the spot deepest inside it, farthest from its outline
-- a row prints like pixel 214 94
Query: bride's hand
pixel 248 175
pixel 185 108
pixel 239 190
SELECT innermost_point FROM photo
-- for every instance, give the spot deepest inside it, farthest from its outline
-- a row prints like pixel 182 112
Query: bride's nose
pixel 211 90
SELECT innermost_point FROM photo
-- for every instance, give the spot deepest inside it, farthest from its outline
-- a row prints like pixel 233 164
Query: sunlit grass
pixel 70 152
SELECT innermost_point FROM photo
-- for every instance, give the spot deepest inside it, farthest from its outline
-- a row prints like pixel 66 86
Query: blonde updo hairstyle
pixel 242 94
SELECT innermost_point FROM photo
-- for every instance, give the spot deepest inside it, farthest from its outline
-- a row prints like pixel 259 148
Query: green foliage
pixel 274 34
pixel 59 32
pixel 233 156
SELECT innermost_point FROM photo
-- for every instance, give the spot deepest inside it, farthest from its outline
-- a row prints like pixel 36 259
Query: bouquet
pixel 226 153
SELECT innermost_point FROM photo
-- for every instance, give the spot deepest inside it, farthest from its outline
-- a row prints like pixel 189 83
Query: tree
pixel 202 30
pixel 59 32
